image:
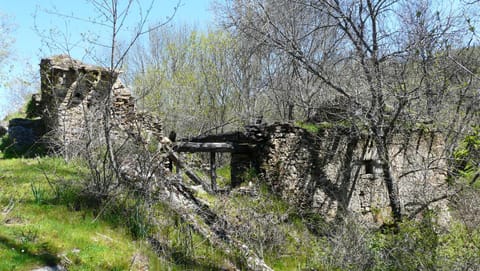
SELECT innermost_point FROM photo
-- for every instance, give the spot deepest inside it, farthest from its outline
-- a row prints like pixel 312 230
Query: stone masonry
pixel 73 93
pixel 328 172
pixel 331 173
pixel 74 100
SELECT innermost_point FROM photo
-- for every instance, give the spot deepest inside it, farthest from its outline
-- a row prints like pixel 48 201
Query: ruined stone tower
pixel 75 94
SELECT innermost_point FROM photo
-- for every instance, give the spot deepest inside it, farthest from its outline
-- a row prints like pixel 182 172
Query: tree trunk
pixel 389 180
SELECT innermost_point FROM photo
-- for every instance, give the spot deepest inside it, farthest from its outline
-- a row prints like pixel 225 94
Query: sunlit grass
pixel 44 231
pixel 44 226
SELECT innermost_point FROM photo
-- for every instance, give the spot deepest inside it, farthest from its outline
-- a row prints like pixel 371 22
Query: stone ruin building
pixel 73 93
pixel 321 173
pixel 330 173
pixel 73 98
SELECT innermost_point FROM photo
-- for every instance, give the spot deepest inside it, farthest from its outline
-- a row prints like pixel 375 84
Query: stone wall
pixel 75 96
pixel 331 173
pixel 74 93
pixel 72 106
pixel 24 133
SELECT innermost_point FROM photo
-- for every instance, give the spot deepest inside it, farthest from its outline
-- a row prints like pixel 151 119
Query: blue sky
pixel 28 48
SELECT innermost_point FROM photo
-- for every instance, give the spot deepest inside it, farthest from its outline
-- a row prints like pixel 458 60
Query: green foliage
pixel 250 175
pixel 53 217
pixel 31 109
pixel 130 214
pixel 412 247
pixel 467 156
pixel 8 149
pixel 313 128
pixel 42 229
pixel 188 84
pixel 21 113
pixel 272 228
pixel 223 174
pixel 38 194
pixel 5 143
pixel 138 223
pixel 15 115
pixel 460 248
pixel 182 248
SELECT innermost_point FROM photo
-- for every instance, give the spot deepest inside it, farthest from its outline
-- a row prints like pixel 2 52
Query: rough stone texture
pixel 331 173
pixel 74 98
pixel 74 93
pixel 72 104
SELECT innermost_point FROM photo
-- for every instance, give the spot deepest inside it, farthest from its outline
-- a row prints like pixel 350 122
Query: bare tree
pixel 365 53
pixel 15 85
pixel 198 82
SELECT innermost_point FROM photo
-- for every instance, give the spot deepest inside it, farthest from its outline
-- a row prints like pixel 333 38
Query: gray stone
pixel 314 173
pixel 73 96
pixel 51 268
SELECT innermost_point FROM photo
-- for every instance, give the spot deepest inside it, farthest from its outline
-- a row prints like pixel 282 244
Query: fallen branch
pixel 197 180
pixel 207 223
pixel 202 219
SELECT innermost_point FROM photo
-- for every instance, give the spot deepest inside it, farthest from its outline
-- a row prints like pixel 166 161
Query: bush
pixel 5 143
pixel 467 157
pixel 11 150
pixel 412 247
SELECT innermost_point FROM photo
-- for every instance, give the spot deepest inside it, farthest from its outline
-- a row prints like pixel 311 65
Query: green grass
pixel 223 176
pixel 272 229
pixel 51 224
pixel 41 229
pixel 44 220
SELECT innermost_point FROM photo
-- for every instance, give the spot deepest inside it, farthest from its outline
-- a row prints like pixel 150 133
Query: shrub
pixel 412 246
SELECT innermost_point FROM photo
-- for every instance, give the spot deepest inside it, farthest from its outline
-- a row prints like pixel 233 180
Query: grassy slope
pixel 40 229
pixel 44 229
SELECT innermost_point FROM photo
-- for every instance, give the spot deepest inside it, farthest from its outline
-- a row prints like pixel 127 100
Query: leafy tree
pixel 192 79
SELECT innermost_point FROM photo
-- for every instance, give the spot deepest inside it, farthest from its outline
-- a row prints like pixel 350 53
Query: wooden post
pixel 213 171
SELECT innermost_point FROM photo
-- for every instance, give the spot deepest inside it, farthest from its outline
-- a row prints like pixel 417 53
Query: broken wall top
pixel 66 63
pixel 64 79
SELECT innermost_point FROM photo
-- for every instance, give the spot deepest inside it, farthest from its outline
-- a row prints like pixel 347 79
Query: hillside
pixel 289 135
pixel 47 220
